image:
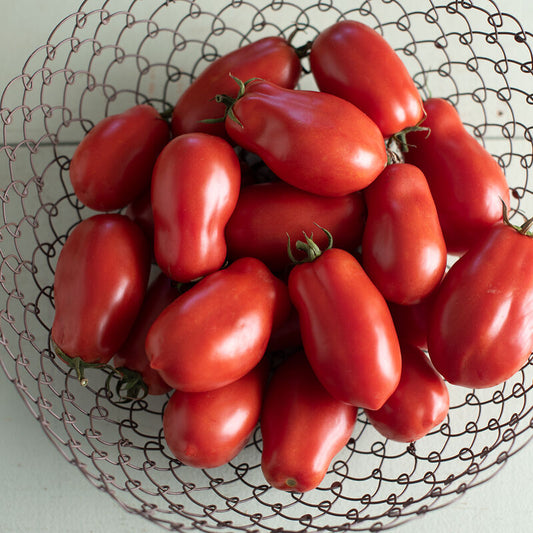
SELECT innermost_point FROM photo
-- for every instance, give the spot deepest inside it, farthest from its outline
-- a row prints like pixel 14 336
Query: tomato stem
pixel 131 382
pixel 401 136
pixel 524 229
pixel 309 247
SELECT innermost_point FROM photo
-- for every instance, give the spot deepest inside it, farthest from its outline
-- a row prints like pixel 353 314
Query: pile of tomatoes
pixel 266 220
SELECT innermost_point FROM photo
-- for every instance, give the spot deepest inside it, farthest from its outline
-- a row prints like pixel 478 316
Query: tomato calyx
pixel 78 364
pixel 229 101
pixel 129 381
pixel 400 138
pixel 309 247
pixel 523 229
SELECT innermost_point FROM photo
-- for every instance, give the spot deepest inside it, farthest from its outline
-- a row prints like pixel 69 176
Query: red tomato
pixel 481 328
pixel 355 62
pixel 113 163
pixel 311 140
pixel 412 321
pixel 466 182
pixel 403 247
pixel 140 211
pixel 219 329
pixel 208 429
pixel 271 58
pixel 267 212
pixel 286 335
pixel 99 286
pixel 303 427
pixel 347 330
pixel 419 403
pixel 195 186
pixel 132 355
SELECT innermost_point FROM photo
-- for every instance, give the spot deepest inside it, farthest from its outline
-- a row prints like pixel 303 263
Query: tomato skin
pixel 208 429
pixel 132 355
pixel 420 402
pixel 347 331
pixel 303 427
pixel 219 329
pixel 403 247
pixel 267 212
pixel 99 285
pixel 271 58
pixel 353 61
pixel 311 140
pixel 113 163
pixel 412 321
pixel 481 328
pixel 140 211
pixel 467 183
pixel 195 186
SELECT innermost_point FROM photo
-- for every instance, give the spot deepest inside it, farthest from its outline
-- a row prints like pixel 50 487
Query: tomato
pixel 99 285
pixel 311 140
pixel 286 335
pixel 353 61
pixel 219 329
pixel 132 355
pixel 412 321
pixel 347 331
pixel 113 163
pixel 466 182
pixel 195 186
pixel 303 427
pixel 403 248
pixel 271 58
pixel 140 211
pixel 267 212
pixel 481 327
pixel 208 429
pixel 420 402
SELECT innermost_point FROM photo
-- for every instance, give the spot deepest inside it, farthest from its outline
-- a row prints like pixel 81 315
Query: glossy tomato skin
pixel 267 212
pixel 132 355
pixel 420 402
pixel 99 285
pixel 113 163
pixel 208 429
pixel 219 329
pixel 467 183
pixel 303 427
pixel 403 247
pixel 481 328
pixel 311 140
pixel 347 331
pixel 353 61
pixel 271 58
pixel 195 186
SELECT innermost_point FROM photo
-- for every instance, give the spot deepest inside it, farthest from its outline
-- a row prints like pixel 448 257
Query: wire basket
pixel 111 55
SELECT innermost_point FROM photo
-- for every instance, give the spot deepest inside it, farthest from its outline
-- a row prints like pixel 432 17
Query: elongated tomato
pixel 314 141
pixel 303 427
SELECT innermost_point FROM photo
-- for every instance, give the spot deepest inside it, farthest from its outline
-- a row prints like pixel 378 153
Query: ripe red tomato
pixel 412 321
pixel 219 329
pixel 403 248
pixel 347 331
pixel 303 427
pixel 270 58
pixel 195 186
pixel 466 182
pixel 353 61
pixel 208 429
pixel 132 355
pixel 113 163
pixel 311 140
pixel 140 211
pixel 267 212
pixel 100 282
pixel 420 402
pixel 481 328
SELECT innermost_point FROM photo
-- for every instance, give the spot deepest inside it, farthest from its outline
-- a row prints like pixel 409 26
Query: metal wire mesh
pixel 106 57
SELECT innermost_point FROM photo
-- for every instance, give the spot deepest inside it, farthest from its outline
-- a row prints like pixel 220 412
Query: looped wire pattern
pixel 103 59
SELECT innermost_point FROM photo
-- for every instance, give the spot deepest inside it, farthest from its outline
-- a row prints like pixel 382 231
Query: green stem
pixel 309 247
